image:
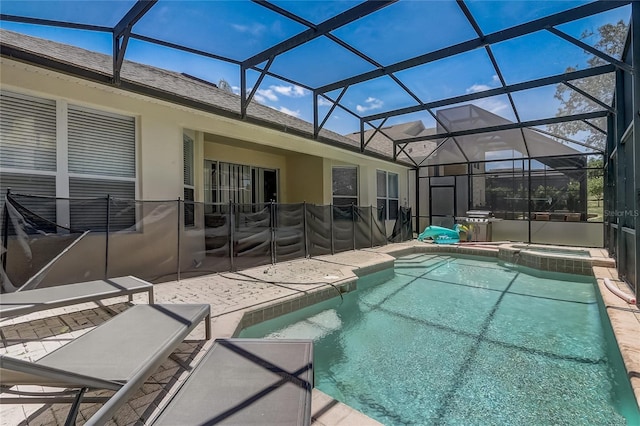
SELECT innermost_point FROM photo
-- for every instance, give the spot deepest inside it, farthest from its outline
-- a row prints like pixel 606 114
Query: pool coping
pixel 623 317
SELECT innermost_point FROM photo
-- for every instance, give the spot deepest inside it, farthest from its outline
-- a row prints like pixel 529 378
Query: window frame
pixel 61 173
pixel 188 180
pixel 387 198
pixel 233 193
pixel 335 197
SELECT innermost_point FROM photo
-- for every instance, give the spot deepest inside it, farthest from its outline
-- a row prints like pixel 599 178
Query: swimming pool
pixel 455 340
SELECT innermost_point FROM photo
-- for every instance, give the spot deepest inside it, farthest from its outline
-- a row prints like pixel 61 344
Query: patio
pixel 265 292
pixel 395 122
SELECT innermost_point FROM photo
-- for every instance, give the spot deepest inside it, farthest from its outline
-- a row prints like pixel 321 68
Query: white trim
pixel 101 177
pixel 62 150
pixel 15 171
pixel 63 211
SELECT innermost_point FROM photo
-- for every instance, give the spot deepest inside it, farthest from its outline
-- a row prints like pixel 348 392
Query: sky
pixel 240 29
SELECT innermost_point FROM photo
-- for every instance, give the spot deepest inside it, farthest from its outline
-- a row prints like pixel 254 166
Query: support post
pixel 635 84
pixel 231 234
pixel 305 231
pixel 272 222
pixel 529 201
pixel 178 253
pixel 106 243
pixel 5 231
pixel 418 200
pixel 621 172
pixel 353 225
pixel 371 225
pixel 333 251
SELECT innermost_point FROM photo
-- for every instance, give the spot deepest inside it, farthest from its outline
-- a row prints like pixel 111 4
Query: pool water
pixel 567 252
pixel 454 340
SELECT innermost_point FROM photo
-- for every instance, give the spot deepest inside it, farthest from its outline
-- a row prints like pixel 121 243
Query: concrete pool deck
pixel 243 298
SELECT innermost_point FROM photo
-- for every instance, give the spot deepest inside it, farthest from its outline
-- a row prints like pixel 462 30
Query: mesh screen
pixel 34 248
pixel 364 227
pixel 217 232
pixel 379 230
pixel 289 232
pixel 319 230
pixel 343 228
pixel 148 248
pixel 252 235
pixel 167 240
pixel 402 230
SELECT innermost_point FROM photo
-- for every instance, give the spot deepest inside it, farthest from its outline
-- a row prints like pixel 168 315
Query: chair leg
pixel 75 408
pixel 207 327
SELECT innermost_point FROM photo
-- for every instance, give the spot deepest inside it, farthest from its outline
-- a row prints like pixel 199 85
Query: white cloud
pixel 492 105
pixel 254 29
pixel 478 88
pixel 288 111
pixel 235 89
pixel 267 94
pixel 323 102
pixel 290 91
pixel 271 94
pixel 495 79
pixel 371 103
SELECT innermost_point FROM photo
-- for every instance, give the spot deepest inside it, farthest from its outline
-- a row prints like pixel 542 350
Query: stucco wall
pixel 305 182
pixel 160 127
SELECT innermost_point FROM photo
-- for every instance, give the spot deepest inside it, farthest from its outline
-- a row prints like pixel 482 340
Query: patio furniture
pixel 118 355
pixel 246 382
pixel 25 302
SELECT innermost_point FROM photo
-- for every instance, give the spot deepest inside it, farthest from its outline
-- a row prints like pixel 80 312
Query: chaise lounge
pixel 118 355
pixel 26 302
pixel 246 382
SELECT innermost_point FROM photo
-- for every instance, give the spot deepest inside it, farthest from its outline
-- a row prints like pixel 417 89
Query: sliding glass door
pixel 239 184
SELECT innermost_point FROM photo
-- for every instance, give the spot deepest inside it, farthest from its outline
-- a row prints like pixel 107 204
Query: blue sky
pixel 240 29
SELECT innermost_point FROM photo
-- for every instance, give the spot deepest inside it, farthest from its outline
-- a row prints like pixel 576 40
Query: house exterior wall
pixel 305 170
pixel 305 179
pixel 160 126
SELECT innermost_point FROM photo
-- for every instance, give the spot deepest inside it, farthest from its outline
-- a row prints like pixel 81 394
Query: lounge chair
pixel 118 355
pixel 246 382
pixel 25 302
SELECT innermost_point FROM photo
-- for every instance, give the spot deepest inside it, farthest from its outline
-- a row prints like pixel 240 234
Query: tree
pixel 595 180
pixel 611 39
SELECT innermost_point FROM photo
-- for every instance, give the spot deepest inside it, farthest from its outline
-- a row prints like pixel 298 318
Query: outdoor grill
pixel 479 221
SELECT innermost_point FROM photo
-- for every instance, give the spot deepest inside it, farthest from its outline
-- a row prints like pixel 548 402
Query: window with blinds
pixel 101 163
pixel 98 160
pixel 28 133
pixel 189 189
pixel 28 149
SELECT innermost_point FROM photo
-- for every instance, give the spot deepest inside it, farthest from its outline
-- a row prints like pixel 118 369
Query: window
pixel 28 148
pixel 387 192
pixel 101 162
pixel 189 188
pixel 345 186
pixel 93 157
